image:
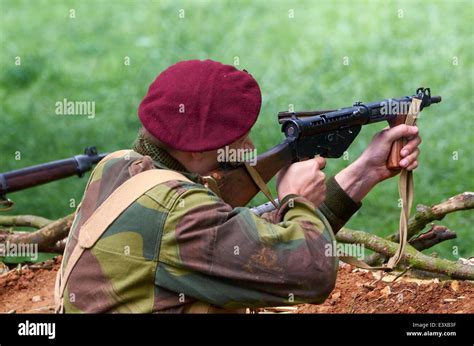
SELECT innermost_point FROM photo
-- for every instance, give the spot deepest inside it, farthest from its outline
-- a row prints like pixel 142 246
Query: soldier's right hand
pixel 305 179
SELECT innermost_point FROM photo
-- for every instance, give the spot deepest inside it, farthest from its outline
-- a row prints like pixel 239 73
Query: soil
pixel 30 290
pixel 359 291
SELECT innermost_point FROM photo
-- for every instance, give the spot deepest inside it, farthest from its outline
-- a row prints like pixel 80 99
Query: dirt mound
pixel 30 289
pixel 359 291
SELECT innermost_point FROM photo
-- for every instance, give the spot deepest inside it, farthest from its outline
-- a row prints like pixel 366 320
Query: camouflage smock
pixel 179 244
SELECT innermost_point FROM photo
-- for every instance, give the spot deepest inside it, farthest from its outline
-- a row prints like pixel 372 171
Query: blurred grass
pixel 296 60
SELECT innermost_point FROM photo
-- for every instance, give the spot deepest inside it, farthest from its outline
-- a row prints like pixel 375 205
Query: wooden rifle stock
pixel 236 186
pixel 393 161
pixel 37 177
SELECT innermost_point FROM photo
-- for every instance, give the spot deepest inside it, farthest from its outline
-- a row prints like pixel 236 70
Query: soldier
pixel 178 247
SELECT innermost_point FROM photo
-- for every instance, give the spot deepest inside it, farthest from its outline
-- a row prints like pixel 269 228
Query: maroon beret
pixel 200 105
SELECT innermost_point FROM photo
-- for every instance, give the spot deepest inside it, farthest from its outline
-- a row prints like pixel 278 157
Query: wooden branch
pixel 424 214
pixel 435 235
pixel 411 256
pixel 47 237
pixel 58 247
pixel 24 221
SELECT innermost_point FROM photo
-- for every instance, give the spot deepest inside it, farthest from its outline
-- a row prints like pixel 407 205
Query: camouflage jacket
pixel 179 245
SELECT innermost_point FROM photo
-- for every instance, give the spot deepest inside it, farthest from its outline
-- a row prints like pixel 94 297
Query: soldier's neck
pixel 145 147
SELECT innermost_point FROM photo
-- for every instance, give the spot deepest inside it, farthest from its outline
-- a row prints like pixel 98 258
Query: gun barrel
pixel 24 178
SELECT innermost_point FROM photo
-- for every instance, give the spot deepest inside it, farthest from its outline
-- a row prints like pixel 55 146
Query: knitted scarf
pixel 145 147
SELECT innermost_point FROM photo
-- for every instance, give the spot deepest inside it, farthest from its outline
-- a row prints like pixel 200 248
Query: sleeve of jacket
pixel 338 207
pixel 232 258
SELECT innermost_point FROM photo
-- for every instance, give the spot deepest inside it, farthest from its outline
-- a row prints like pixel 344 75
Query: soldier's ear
pixel 248 143
pixel 196 156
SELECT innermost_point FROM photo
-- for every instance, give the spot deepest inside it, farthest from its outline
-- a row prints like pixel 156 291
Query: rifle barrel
pixel 27 177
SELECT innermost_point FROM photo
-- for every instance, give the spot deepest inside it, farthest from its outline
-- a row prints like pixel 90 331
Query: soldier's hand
pixel 371 167
pixel 374 158
pixel 305 179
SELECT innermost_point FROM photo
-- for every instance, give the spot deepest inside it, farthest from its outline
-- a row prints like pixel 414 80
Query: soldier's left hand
pixel 374 158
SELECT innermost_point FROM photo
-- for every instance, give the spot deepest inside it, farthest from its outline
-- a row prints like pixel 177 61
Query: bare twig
pixel 400 275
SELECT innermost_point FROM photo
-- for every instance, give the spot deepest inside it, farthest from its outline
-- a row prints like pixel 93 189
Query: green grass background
pixel 296 60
